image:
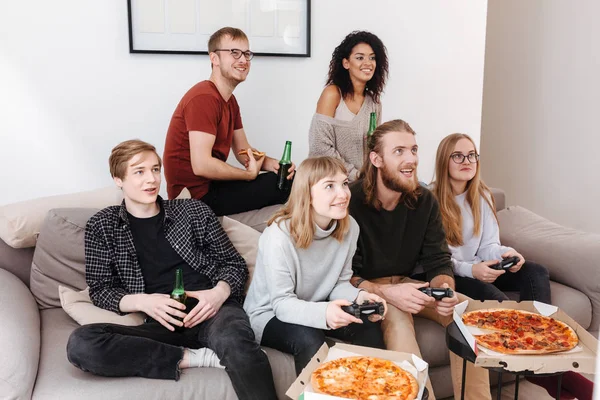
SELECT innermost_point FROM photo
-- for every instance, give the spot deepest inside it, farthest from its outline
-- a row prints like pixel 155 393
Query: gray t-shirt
pixel 296 285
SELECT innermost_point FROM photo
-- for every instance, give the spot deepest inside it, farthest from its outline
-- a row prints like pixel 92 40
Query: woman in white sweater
pixel 357 74
pixel 471 225
pixel 304 266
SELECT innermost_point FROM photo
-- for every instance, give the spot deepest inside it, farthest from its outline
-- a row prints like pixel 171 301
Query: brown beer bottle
pixel 178 294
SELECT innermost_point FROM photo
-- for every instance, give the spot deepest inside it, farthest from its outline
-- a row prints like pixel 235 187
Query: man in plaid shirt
pixel 131 253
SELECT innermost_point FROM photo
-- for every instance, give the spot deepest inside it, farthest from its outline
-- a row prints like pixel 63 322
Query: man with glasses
pixel 206 125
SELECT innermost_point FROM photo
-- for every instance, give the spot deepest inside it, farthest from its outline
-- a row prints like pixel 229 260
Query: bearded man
pixel 400 230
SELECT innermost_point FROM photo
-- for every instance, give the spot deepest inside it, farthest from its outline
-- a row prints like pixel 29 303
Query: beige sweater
pixel 343 139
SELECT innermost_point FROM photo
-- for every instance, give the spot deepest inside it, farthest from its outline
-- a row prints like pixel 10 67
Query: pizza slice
pixel 384 380
pixel 341 377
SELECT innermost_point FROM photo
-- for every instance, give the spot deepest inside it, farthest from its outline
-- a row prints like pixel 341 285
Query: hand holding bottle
pixel 162 309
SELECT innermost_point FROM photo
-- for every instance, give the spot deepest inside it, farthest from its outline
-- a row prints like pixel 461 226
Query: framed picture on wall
pixel 274 27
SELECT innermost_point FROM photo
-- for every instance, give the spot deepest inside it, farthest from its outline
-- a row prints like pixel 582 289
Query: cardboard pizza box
pixel 580 359
pixel 301 387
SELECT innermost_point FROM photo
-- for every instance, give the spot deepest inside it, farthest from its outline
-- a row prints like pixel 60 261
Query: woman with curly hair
pixel 357 74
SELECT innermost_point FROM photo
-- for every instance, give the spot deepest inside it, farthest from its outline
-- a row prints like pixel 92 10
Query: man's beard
pixel 392 181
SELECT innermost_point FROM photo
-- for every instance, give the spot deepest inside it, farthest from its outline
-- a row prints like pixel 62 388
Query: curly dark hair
pixel 340 77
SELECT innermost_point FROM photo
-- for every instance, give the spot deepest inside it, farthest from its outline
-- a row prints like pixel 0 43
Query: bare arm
pixel 204 164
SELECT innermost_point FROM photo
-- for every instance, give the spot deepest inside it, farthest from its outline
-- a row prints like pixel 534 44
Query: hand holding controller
pixel 437 293
pixel 365 308
pixel 506 263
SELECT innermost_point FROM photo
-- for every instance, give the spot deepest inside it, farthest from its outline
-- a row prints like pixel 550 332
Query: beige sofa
pixel 35 329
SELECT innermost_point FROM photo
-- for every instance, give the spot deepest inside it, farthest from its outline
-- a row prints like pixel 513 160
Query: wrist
pixel 224 289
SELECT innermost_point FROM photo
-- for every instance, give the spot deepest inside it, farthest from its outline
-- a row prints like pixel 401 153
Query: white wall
pixel 70 91
pixel 540 136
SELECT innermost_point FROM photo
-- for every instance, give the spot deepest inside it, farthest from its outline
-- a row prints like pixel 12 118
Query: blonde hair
pixel 298 208
pixel 476 189
pixel 368 172
pixel 125 151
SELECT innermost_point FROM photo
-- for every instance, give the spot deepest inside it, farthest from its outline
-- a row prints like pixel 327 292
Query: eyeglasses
pixel 237 53
pixel 459 158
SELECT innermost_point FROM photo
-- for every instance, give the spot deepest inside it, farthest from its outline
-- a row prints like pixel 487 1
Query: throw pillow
pixel 245 241
pixel 79 306
pixel 59 257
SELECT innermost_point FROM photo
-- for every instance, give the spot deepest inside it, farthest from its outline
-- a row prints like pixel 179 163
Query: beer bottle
pixel 178 294
pixel 283 183
pixel 372 126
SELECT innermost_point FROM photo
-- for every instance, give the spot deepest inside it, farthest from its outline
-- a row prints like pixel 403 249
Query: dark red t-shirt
pixel 201 109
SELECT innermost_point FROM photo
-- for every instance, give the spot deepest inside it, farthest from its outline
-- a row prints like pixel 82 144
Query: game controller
pixel 365 308
pixel 506 263
pixel 437 293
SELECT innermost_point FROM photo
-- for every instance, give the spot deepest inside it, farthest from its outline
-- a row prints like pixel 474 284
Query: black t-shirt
pixel 395 242
pixel 157 258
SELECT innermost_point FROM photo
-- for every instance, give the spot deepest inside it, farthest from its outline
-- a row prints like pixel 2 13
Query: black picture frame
pixel 258 45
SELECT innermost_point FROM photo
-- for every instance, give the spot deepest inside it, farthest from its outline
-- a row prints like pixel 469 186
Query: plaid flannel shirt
pixel 112 269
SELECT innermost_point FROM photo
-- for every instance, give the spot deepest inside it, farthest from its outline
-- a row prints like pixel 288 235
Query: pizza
pixel 367 378
pixel 257 154
pixel 521 332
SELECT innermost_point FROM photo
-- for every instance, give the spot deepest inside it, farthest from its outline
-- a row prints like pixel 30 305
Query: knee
pixel 536 270
pixel 309 341
pixel 233 333
pixel 80 346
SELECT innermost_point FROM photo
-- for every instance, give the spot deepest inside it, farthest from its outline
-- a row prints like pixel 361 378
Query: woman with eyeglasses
pixel 471 225
pixel 469 218
pixel 357 74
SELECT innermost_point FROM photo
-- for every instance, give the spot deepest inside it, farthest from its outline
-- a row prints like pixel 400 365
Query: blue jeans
pixel 152 351
pixel 532 282
pixel 304 341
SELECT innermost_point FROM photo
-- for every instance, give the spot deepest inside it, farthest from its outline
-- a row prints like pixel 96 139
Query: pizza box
pixel 301 387
pixel 580 359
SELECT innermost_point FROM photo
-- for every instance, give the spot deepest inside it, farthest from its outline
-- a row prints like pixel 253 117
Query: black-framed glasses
pixel 459 158
pixel 237 53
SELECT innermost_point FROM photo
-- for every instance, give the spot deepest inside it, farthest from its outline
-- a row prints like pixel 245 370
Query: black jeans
pixel 304 341
pixel 152 351
pixel 232 197
pixel 532 281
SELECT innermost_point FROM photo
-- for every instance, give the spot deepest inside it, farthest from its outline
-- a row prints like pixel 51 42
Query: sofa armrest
pixel 499 198
pixel 19 338
pixel 571 256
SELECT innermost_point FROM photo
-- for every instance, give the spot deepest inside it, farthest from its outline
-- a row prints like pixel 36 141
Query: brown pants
pixel 399 335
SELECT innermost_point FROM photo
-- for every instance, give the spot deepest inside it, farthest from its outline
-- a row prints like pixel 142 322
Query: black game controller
pixel 437 293
pixel 506 263
pixel 365 308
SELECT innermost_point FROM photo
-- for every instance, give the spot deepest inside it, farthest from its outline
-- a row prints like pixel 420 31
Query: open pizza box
pixel 581 359
pixel 409 362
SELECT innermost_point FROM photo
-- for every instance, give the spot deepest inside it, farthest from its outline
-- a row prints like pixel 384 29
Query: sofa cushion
pixel 58 379
pixel 59 257
pixel 245 241
pixel 571 256
pixel 19 338
pixel 21 222
pixel 79 306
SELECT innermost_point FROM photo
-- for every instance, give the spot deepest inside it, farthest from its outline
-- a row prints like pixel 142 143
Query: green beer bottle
pixel 283 183
pixel 372 125
pixel 178 294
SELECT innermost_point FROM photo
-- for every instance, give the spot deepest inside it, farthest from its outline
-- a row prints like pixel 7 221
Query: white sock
pixel 203 357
